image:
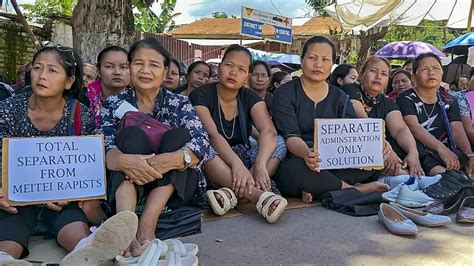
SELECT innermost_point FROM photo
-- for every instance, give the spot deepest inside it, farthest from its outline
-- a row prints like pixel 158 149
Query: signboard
pixel 39 170
pixel 253 20
pixel 349 143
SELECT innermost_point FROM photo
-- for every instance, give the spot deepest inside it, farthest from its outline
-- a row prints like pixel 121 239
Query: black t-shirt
pixel 294 112
pixel 269 102
pixel 381 110
pixel 429 115
pixel 207 96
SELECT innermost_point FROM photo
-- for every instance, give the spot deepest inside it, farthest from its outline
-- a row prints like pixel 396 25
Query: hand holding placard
pixel 349 143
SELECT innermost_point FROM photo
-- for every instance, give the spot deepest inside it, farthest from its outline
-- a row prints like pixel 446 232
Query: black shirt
pixel 381 110
pixel 269 102
pixel 429 115
pixel 294 112
pixel 206 96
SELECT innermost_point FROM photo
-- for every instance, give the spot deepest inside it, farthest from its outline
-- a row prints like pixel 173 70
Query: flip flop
pixel 155 248
pixel 229 203
pixel 184 249
pixel 174 259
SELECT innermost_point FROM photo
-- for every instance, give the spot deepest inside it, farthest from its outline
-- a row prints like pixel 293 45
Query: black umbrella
pixel 456 69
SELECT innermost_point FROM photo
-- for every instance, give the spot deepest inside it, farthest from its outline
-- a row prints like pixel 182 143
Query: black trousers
pixel 21 226
pixel 132 140
pixel 294 177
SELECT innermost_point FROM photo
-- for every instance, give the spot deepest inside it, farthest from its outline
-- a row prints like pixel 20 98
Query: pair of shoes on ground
pixel 408 195
pixel 169 252
pixel 264 203
pixel 401 220
pixel 111 238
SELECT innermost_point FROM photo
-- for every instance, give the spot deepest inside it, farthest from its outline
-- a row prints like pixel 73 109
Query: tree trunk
pixel 366 40
pixel 100 23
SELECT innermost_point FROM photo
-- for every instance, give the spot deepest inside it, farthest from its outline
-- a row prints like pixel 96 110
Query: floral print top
pixel 176 111
pixel 15 122
pixel 94 93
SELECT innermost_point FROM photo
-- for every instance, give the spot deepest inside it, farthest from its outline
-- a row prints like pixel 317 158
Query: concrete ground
pixel 314 235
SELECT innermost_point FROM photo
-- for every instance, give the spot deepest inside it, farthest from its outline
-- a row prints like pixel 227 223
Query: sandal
pixel 184 249
pixel 174 259
pixel 271 197
pixel 154 249
pixel 228 203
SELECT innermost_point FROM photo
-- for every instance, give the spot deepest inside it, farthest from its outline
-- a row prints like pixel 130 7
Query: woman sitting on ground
pixel 141 175
pixel 259 81
pixel 172 77
pixel 344 74
pixel 422 113
pixel 296 105
pixel 465 107
pixel 278 78
pixel 401 81
pixel 228 111
pixel 198 74
pixel 114 77
pixel 46 112
pixel 368 99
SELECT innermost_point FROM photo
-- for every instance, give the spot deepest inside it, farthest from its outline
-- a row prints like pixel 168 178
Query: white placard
pixel 350 143
pixel 54 169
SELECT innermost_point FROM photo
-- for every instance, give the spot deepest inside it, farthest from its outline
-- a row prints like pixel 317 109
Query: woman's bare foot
pixel 220 199
pixel 307 197
pixel 133 246
pixel 372 187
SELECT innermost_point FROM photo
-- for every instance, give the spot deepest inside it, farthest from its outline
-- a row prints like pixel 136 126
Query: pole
pixel 25 24
pixel 469 18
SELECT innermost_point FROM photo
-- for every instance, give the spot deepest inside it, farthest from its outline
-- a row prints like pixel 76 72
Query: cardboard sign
pixel 349 143
pixel 40 170
pixel 253 20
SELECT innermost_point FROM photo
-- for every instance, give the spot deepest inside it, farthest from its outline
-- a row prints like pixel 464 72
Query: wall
pixel 61 33
pixel 16 47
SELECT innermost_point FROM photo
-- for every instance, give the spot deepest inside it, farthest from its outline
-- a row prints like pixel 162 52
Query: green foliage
pixel 221 14
pixel 43 8
pixel 428 31
pixel 319 5
pixel 147 21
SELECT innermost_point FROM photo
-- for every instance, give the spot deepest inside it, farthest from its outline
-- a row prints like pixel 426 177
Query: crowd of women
pixel 235 132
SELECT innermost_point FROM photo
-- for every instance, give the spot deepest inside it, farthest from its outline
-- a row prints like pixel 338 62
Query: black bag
pixel 352 202
pixel 450 184
pixel 183 221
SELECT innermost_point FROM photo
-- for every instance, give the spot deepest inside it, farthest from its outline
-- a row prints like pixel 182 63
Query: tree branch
pixel 25 24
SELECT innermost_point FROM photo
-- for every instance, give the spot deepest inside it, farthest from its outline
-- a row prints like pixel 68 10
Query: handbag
pixel 154 129
pixel 183 221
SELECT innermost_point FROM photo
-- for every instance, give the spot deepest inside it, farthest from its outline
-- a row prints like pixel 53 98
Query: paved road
pixel 315 235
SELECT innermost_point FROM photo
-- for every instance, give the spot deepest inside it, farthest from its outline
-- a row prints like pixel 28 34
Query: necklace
pixel 432 110
pixel 220 118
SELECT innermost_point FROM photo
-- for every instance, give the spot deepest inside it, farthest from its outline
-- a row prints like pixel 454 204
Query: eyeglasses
pixel 260 75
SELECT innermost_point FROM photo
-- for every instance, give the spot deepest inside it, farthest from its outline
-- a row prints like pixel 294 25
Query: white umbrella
pixel 361 15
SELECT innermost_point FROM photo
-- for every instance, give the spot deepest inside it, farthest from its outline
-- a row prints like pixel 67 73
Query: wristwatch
pixel 187 159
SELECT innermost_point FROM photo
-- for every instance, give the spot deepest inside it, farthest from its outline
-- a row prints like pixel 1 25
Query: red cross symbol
pixel 286 21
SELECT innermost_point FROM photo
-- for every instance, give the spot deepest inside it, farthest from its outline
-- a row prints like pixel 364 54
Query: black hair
pixel 319 39
pixel 195 64
pixel 151 43
pixel 173 60
pixel 72 64
pixel 260 62
pixel 471 72
pixel 112 48
pixel 401 71
pixel 341 71
pixel 238 48
pixel 277 77
pixel 416 62
pixel 407 62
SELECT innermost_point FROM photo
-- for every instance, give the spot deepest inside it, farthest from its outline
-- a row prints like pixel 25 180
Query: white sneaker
pixel 7 259
pixel 413 198
pixel 392 195
pixel 111 238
